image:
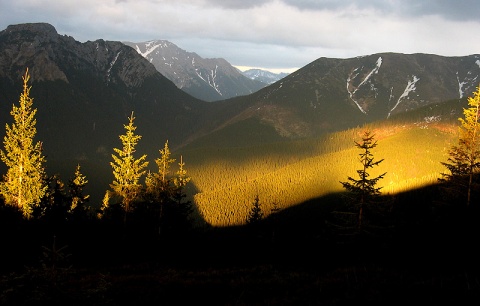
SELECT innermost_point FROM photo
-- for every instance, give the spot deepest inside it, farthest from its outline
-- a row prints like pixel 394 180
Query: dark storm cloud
pixel 265 33
pixel 448 9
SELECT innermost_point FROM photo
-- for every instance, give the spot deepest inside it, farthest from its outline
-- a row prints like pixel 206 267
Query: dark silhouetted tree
pixel 178 210
pixel 53 207
pixel 364 189
pixel 255 214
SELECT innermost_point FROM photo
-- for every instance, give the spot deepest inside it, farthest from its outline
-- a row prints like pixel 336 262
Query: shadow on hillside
pixel 415 224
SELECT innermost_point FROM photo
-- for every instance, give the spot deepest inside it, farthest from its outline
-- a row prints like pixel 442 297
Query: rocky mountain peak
pixel 50 55
pixel 37 29
pixel 30 45
pixel 208 79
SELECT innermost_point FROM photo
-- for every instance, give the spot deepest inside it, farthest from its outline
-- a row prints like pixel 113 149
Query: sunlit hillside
pixel 230 167
pixel 284 174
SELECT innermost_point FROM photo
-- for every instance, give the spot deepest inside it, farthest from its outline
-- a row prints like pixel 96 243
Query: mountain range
pixel 84 93
pixel 208 79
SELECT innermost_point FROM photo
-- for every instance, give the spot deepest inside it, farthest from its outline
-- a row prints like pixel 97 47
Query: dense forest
pixel 385 213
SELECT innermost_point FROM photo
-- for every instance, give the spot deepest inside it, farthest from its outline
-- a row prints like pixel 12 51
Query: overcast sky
pixel 277 35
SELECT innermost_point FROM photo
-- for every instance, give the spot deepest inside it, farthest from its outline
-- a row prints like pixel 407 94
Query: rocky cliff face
pixel 30 45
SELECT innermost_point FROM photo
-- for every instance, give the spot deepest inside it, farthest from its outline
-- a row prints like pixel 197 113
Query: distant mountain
pixel 264 76
pixel 206 79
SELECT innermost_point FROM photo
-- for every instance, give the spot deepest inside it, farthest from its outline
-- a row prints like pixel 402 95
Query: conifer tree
pixel 255 214
pixel 464 158
pixel 77 199
pixel 23 184
pixel 102 211
pixel 158 184
pixel 180 181
pixel 53 206
pixel 364 189
pixel 181 209
pixel 127 169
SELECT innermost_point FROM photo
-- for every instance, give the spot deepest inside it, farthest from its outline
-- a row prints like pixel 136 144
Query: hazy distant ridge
pixel 264 76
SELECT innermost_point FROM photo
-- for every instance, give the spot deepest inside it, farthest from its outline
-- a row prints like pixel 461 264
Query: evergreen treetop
pixel 127 169
pixel 364 189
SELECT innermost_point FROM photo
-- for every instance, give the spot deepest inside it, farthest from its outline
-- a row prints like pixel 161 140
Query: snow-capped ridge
pixel 205 79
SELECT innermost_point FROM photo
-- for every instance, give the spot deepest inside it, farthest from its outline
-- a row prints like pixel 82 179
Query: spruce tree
pixel 464 158
pixel 77 199
pixel 159 188
pixel 127 169
pixel 255 214
pixel 158 184
pixel 23 185
pixel 181 209
pixel 364 189
pixel 53 206
pixel 180 182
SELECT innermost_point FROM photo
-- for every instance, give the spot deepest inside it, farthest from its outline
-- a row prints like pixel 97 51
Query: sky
pixel 275 35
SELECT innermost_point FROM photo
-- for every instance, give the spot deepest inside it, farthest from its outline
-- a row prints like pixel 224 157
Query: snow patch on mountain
pixel 210 78
pixel 351 93
pixel 408 89
pixel 150 46
pixel 460 87
pixel 467 82
pixel 374 71
pixel 111 65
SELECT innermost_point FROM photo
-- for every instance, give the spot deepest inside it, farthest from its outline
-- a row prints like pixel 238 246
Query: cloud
pixel 236 4
pixel 265 33
pixel 448 9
